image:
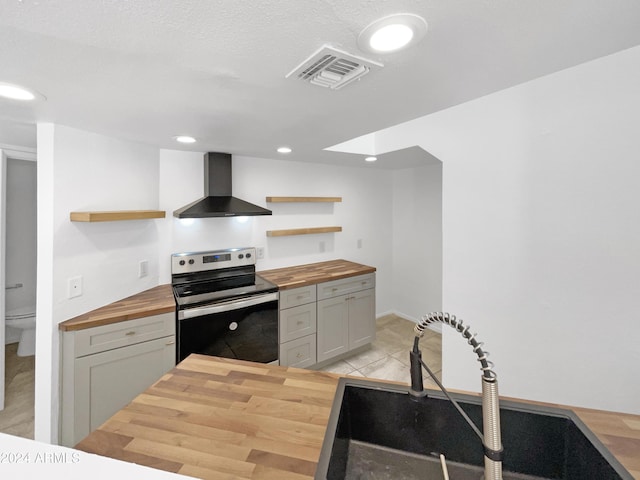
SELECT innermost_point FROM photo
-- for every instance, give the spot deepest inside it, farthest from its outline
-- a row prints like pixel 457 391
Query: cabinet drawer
pixel 297 322
pixel 297 296
pixel 129 332
pixel 299 353
pixel 343 286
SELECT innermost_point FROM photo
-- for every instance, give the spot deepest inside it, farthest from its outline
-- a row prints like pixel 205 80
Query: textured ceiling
pixel 147 70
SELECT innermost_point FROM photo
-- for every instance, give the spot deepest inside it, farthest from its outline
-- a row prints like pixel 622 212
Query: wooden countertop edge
pixel 357 269
pixel 140 305
pixel 127 308
pixel 304 283
pixel 108 320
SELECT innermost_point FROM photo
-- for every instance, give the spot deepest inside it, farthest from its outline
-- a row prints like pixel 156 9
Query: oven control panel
pixel 191 262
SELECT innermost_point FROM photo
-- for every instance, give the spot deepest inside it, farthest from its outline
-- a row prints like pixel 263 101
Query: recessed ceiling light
pixel 184 139
pixel 392 33
pixel 284 150
pixel 16 92
pixel 371 159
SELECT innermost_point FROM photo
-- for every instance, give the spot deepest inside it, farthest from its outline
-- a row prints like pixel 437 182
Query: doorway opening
pixel 18 315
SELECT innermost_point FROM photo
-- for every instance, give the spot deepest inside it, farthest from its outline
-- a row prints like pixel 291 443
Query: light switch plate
pixel 143 268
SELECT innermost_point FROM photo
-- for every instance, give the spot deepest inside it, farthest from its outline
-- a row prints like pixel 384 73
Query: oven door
pixel 244 329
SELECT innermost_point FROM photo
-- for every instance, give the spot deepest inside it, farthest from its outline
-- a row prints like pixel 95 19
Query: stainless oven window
pixel 246 333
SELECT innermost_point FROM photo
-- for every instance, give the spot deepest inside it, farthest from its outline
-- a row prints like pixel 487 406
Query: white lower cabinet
pixel 104 368
pixel 345 323
pixel 320 322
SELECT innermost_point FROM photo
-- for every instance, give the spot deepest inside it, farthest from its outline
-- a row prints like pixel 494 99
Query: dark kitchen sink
pixel 378 431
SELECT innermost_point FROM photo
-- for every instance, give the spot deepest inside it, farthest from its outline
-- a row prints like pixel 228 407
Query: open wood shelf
pixel 303 199
pixel 302 231
pixel 113 216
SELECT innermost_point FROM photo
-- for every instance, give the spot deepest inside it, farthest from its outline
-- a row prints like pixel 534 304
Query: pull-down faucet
pixel 491 439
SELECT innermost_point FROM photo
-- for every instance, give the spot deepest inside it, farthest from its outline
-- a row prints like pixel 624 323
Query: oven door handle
pixel 226 306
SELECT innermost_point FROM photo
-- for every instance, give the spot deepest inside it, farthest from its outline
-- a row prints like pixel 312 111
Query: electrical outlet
pixel 143 268
pixel 259 252
pixel 74 287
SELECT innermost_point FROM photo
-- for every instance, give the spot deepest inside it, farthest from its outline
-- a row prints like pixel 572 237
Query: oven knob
pixel 181 262
pixel 241 256
pixel 192 261
pixel 248 255
pixel 233 326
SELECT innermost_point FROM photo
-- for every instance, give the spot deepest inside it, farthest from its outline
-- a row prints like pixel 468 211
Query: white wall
pixel 365 213
pixel 80 171
pixel 417 241
pixel 541 232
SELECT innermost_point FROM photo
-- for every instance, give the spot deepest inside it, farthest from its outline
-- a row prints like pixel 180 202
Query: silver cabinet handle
pixel 171 342
pixel 129 334
pixel 15 285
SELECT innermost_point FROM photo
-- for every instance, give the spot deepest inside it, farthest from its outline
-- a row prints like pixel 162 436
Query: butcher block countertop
pixel 215 418
pixel 312 273
pixel 154 301
pixel 160 299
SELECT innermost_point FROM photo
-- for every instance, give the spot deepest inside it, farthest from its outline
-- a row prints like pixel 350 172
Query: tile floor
pixel 388 357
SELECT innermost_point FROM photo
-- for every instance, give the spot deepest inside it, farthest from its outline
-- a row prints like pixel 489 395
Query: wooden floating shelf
pixel 113 216
pixel 303 199
pixel 302 231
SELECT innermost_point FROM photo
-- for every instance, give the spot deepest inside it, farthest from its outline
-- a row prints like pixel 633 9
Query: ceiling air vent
pixel 331 68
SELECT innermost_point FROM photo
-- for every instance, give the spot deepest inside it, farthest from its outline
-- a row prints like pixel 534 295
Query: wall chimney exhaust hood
pixel 217 200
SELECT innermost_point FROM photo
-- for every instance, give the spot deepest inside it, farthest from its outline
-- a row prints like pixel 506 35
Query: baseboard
pixel 435 327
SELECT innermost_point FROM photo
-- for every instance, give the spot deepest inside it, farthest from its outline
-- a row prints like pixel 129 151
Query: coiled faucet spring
pixel 491 439
pixel 458 324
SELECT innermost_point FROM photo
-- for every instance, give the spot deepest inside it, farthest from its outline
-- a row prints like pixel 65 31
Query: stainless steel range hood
pixel 217 200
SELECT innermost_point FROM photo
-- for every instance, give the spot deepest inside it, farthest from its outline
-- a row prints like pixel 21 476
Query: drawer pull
pixel 300 297
pixel 170 342
pixel 364 283
pixel 299 322
pixel 299 355
pixel 130 334
pixel 334 289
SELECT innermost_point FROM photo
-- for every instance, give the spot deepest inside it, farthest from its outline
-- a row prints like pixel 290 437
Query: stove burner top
pixel 214 291
pixel 197 280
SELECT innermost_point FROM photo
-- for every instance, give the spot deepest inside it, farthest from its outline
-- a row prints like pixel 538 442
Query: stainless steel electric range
pixel 224 308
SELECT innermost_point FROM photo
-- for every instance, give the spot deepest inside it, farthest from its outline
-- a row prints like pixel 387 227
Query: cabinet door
pixel 106 382
pixel 362 318
pixel 333 327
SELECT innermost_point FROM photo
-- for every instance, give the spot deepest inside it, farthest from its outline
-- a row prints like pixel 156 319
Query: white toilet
pixel 24 321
